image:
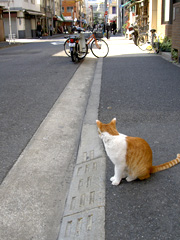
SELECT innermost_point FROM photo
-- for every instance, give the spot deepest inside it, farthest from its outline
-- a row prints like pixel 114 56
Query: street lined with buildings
pixel 54 171
pixel 35 18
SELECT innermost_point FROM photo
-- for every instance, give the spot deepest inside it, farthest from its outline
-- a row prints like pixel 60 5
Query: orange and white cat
pixel 131 156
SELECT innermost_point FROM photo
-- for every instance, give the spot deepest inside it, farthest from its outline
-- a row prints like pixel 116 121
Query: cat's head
pixel 109 128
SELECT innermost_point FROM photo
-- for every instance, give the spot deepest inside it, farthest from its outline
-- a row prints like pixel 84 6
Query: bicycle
pixel 98 46
pixel 144 43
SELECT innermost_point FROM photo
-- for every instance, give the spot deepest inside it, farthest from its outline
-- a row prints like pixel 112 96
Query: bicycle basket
pixel 99 34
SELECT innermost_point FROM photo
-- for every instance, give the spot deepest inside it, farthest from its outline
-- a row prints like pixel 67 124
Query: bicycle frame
pixel 91 38
pixel 98 46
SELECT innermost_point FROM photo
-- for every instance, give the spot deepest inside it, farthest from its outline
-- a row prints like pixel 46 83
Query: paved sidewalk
pixel 29 40
pixel 6 44
pixel 142 91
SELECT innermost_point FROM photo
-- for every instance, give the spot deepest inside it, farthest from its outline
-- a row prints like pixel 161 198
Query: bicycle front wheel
pixel 143 44
pixel 67 48
pixel 99 48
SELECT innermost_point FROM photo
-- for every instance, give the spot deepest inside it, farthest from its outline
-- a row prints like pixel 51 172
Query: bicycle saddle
pixel 153 30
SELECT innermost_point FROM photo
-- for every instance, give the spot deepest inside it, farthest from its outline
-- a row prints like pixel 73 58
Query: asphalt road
pixel 142 92
pixel 31 79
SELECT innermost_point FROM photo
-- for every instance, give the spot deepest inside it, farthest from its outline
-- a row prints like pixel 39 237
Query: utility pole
pixel 53 13
pixel 60 4
pixel 80 13
pixel 45 15
pixel 92 15
pixel 105 12
pixel 10 29
pixel 119 16
pixel 106 27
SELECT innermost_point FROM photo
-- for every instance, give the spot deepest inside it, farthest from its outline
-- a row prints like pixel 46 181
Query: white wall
pixel 23 4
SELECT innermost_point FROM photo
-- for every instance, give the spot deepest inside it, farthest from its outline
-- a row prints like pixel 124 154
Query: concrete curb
pixel 166 56
pixel 84 215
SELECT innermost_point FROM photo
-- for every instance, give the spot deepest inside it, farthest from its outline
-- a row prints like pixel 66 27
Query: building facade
pixel 2 34
pixel 23 15
pixel 69 11
pixel 176 28
pixel 162 15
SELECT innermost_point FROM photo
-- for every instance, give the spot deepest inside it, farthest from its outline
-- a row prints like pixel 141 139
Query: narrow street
pixel 49 108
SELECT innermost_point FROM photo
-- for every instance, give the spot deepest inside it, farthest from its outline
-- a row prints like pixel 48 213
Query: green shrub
pixel 174 55
pixel 165 44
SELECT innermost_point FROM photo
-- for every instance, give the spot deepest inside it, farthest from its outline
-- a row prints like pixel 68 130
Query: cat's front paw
pixel 115 182
pixel 112 179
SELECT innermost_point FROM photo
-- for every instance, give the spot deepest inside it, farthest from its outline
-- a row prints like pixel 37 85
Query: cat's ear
pixel 98 123
pixel 114 120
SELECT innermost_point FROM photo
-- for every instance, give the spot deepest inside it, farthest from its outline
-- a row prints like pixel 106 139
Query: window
pixel 113 10
pixel 62 9
pixel 69 9
pixel 166 11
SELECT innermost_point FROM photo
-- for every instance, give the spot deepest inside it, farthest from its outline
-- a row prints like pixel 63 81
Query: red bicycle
pixel 98 46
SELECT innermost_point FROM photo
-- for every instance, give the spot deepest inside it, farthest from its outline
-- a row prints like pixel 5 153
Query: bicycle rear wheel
pixel 99 48
pixel 82 55
pixel 73 56
pixel 143 44
pixel 67 48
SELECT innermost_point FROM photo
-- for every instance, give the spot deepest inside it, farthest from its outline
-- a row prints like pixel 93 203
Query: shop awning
pixel 134 3
pixel 126 4
pixel 35 13
pixel 68 19
pixel 62 16
pixel 58 18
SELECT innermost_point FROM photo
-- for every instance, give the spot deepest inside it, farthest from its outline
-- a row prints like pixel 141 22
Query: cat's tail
pixel 165 165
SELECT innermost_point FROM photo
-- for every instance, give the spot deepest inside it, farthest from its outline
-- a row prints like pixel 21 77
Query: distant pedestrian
pixel 114 27
pixel 39 30
pixel 51 29
pixel 65 29
pixel 108 29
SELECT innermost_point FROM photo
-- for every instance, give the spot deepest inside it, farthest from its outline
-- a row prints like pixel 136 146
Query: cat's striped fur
pixel 132 156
